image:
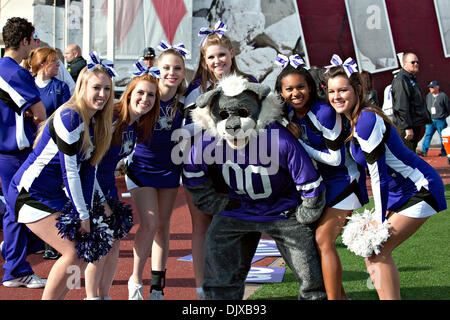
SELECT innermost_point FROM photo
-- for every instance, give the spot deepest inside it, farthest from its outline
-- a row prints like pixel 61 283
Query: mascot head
pixel 236 109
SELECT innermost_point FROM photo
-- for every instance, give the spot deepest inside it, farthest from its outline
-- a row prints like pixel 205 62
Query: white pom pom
pixel 364 237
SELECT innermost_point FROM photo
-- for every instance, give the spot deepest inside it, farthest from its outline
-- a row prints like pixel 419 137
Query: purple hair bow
pixel 294 60
pixel 141 69
pixel 179 47
pixel 349 64
pixel 220 28
pixel 94 60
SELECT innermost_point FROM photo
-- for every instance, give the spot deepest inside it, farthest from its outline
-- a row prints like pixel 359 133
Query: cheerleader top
pixel 396 173
pixel 106 168
pixel 323 134
pixel 156 153
pixel 54 93
pixel 18 92
pixel 57 161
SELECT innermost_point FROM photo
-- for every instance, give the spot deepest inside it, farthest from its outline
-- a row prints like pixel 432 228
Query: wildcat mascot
pixel 273 188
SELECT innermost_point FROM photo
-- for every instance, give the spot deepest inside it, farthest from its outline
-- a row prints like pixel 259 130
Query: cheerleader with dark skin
pixel 316 125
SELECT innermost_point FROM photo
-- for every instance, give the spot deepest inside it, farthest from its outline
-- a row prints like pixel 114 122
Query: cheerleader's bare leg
pixel 160 248
pixel 146 202
pixel 67 271
pixel 329 227
pixel 381 267
pixel 92 277
pixel 200 223
pixel 109 270
pixel 100 274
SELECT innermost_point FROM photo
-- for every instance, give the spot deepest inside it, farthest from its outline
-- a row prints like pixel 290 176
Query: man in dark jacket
pixel 410 112
pixel 75 62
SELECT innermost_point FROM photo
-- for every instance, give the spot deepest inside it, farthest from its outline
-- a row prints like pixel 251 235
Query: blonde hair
pixel 182 86
pixel 102 119
pixel 37 57
pixel 203 71
pixel 122 112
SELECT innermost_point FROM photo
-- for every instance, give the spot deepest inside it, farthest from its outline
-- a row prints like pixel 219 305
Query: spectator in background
pixel 410 112
pixel 44 65
pixel 75 62
pixel 149 56
pixel 63 74
pixel 437 104
pixel 21 111
pixel 387 99
pixel 371 93
pixel 387 102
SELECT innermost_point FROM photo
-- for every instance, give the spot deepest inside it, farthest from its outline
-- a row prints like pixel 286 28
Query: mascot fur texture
pixel 273 188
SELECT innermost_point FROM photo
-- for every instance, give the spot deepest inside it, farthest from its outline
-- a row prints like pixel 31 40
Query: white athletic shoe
pixel 135 290
pixel 31 281
pixel 156 295
pixel 94 298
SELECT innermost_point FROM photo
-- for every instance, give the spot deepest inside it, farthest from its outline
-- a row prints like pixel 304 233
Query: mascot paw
pixel 310 209
pixel 306 215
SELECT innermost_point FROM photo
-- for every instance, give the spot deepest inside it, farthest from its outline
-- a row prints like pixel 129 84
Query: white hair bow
pixel 94 60
pixel 349 64
pixel 179 47
pixel 140 68
pixel 294 60
pixel 220 28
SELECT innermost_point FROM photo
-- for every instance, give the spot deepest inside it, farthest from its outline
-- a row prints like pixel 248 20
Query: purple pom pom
pixel 90 246
pixel 121 221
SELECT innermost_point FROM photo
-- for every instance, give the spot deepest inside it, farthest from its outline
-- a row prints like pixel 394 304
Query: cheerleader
pixel 44 65
pixel 406 189
pixel 217 60
pixel 135 115
pixel 21 110
pixel 67 148
pixel 153 178
pixel 320 131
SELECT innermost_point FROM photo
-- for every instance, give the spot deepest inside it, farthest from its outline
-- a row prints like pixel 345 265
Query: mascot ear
pixel 260 89
pixel 204 99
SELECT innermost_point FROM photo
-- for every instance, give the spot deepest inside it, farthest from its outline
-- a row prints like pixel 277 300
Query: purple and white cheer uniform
pixel 105 170
pixel 401 181
pixel 151 165
pixel 57 161
pixel 323 137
